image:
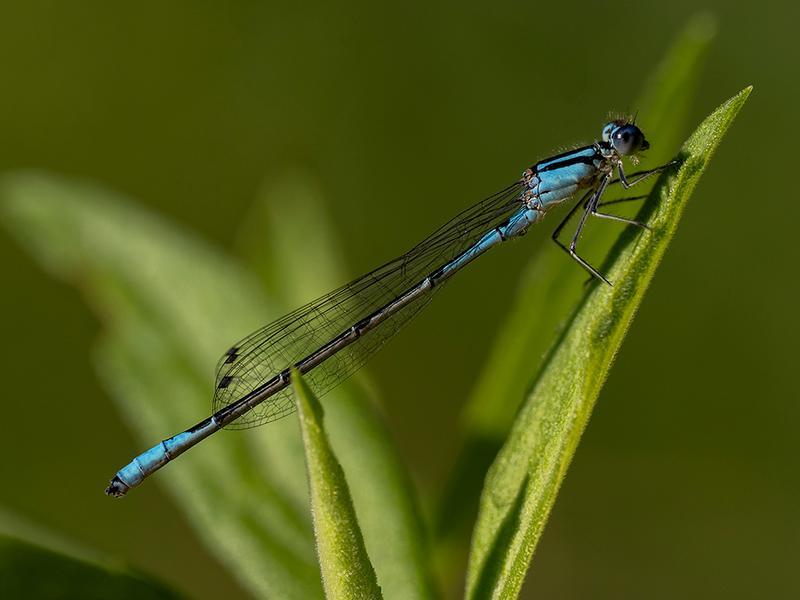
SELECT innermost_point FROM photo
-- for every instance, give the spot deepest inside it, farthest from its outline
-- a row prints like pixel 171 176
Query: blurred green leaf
pixel 288 239
pixel 664 104
pixel 36 573
pixel 169 303
pixel 346 569
pixel 551 286
pixel 523 481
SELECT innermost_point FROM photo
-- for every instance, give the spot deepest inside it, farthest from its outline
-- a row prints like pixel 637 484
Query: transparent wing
pixel 266 352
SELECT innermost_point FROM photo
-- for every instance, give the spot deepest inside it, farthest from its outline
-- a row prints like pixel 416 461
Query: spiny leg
pixel 640 176
pixel 595 212
pixel 583 201
pixel 620 219
pixel 589 206
pixel 628 183
pixel 635 178
pixel 593 203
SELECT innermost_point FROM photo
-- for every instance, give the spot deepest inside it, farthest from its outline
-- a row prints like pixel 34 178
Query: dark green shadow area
pixel 36 573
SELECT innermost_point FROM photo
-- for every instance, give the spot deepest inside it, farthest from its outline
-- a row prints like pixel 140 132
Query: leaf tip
pixel 307 403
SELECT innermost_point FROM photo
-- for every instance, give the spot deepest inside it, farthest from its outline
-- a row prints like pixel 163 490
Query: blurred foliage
pixel 36 564
pixel 412 110
pixel 169 302
pixel 31 571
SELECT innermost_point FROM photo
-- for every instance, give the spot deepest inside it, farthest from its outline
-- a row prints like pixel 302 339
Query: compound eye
pixel 607 130
pixel 627 139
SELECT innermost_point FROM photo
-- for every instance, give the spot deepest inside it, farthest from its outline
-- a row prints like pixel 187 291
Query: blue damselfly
pixel 329 338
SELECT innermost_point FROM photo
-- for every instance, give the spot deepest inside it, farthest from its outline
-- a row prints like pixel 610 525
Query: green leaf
pixel 288 239
pixel 522 484
pixel 552 285
pixel 29 571
pixel 346 568
pixel 37 564
pixel 169 304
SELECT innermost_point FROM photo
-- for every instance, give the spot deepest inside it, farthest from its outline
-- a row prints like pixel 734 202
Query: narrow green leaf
pixel 346 569
pixel 288 238
pixel 551 285
pixel 169 304
pixel 523 481
pixel 550 288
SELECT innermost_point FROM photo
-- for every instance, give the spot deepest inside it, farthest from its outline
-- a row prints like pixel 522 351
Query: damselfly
pixel 329 338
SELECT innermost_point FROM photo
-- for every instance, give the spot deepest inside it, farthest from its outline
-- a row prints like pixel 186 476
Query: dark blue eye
pixel 628 139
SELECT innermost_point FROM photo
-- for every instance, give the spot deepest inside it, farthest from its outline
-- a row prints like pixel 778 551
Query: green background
pixel 686 481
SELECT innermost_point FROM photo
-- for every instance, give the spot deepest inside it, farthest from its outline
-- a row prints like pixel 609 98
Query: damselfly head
pixel 626 138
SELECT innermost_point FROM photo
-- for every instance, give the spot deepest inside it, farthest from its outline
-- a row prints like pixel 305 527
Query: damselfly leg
pixel 588 201
pixel 640 176
pixel 591 202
